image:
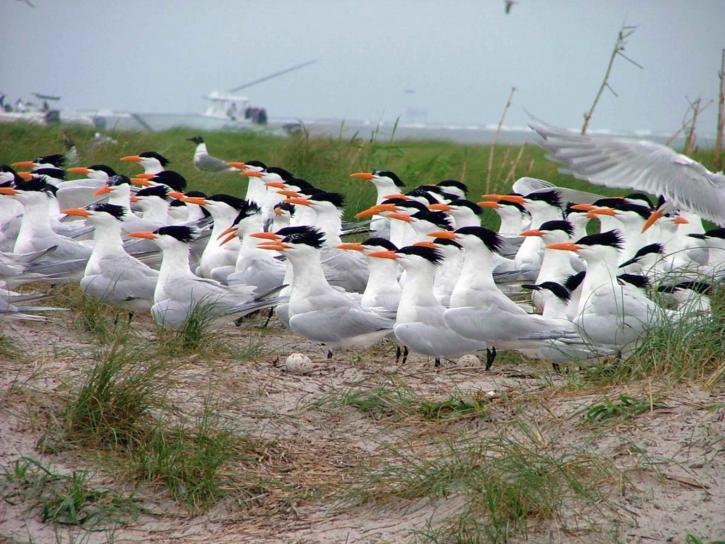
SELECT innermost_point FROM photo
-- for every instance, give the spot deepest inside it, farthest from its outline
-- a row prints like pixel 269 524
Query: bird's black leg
pixel 490 357
pixel 329 354
pixel 238 321
pixel 269 316
pixel 398 351
pixel 130 317
pixel 405 354
pixel 437 362
pixel 556 367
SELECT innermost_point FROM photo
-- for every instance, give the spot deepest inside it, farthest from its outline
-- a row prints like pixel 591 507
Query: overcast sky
pixel 459 57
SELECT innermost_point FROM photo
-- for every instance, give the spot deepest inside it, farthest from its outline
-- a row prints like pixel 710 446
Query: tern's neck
pixel 107 239
pixel 330 223
pixel 382 277
pixel 200 150
pixel 477 271
pixel 156 209
pixel 35 222
pixel 512 221
pixel 175 263
pixel 256 189
pixel 418 287
pixel 307 275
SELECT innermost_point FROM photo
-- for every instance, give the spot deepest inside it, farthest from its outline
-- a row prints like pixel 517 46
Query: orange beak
pixel 27 176
pixel 198 200
pixel 230 236
pixel 106 189
pixel 276 246
pixel 23 164
pixel 145 234
pixel 227 231
pixel 365 176
pixel 565 246
pixel 400 217
pixel 177 195
pixel 582 207
pixel 131 158
pixel 265 235
pixel 532 232
pixel 374 210
pixel 518 199
pixel 652 219
pixel 384 255
pixel 78 170
pixel 679 220
pixel 276 184
pixel 445 234
pixel 298 200
pixel 239 165
pixel 80 212
pixel 8 191
pixel 440 207
pixel 397 195
pixel 289 193
pixel 252 174
pixel 145 175
pixel 594 212
pixel 489 204
pixel 141 182
pixel 352 246
pixel 426 243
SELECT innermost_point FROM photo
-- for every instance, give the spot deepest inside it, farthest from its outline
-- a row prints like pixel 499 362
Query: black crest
pixel 281 172
pixel 610 238
pixel 575 280
pixel 37 184
pixel 303 185
pixel 447 242
pixel 641 197
pixel 389 174
pixel 57 173
pixel 491 240
pixel 428 253
pixel 558 225
pixel 180 232
pixel 516 205
pixel 247 210
pixel 634 279
pixel 255 163
pixel 198 194
pixel 380 242
pixel 286 207
pixel 439 219
pixel 116 211
pixel 422 193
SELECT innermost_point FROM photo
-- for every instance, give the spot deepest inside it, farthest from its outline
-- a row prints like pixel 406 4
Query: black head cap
pixel 550 197
pixel 439 219
pixel 410 206
pixel 103 168
pixel 447 242
pixel 180 232
pixel 492 240
pixel 230 200
pixel 389 174
pixel 380 242
pixel 286 207
pixel 649 249
pixel 304 186
pixel 610 238
pixel 559 290
pixel 196 139
pixel 335 199
pixel 256 163
pixel 153 155
pixel 428 253
pixel 196 193
pixel 716 233
pixel 516 205
pixel 640 196
pixel 172 179
pixel 453 183
pixel 56 160
pixel 303 235
pixel 57 173
pixel 116 211
pixel 463 203
pixel 118 179
pixel 558 225
pixel 634 279
pixel 36 184
pixel 281 172
pixel 160 191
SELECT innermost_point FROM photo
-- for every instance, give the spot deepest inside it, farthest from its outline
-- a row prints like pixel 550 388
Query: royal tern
pixel 151 161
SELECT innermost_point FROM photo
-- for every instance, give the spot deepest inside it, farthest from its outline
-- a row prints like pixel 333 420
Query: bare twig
pixel 717 165
pixel 622 36
pixel 495 139
pixel 697 108
pixel 512 173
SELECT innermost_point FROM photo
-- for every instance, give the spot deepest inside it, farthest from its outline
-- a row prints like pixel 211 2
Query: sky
pixel 452 61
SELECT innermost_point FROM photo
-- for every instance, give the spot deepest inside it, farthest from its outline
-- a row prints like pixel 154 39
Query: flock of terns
pixel 428 274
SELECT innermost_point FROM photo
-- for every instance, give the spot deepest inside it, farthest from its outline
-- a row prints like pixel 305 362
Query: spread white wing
pixel 642 165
